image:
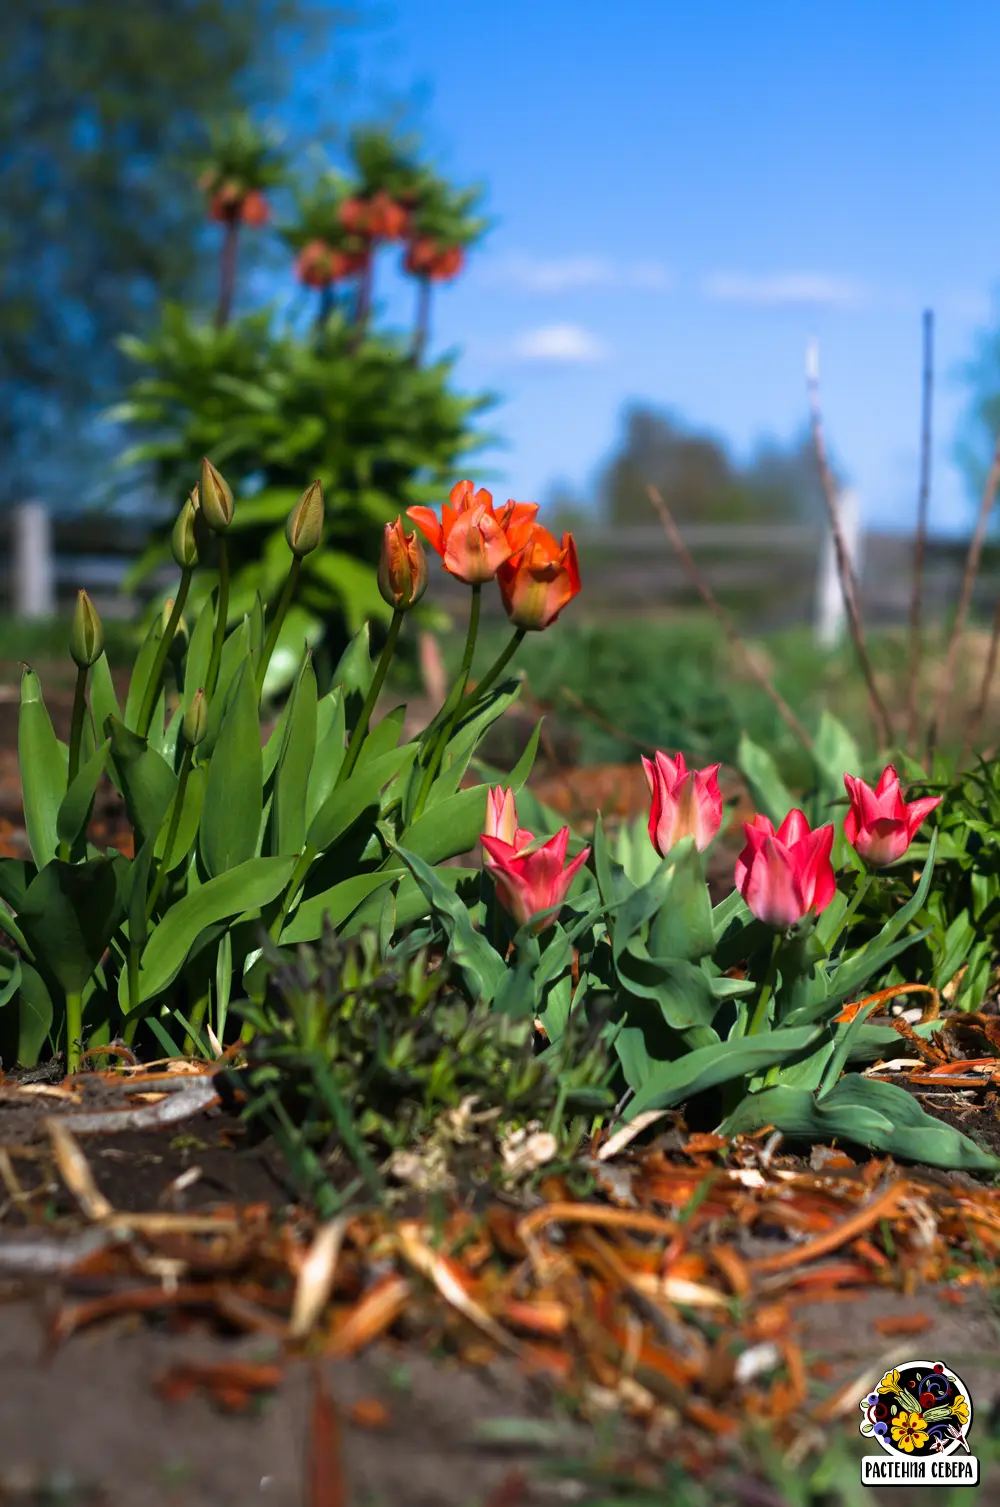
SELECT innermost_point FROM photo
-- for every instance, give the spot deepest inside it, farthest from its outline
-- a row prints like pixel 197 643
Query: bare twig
pixel 964 601
pixel 976 720
pixel 920 539
pixel 714 606
pixel 845 569
pixel 603 722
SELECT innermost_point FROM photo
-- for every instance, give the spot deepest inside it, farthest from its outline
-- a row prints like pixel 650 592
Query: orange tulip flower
pixel 472 539
pixel 402 571
pixel 540 579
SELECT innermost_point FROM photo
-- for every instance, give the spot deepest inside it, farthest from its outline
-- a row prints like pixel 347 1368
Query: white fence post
pixel 831 615
pixel 33 584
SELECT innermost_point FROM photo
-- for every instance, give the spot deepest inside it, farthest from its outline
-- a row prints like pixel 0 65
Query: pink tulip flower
pixel 784 875
pixel 880 824
pixel 686 802
pixel 532 879
pixel 501 820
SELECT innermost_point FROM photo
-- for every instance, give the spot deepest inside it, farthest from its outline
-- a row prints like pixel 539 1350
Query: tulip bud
pixel 304 528
pixel 402 570
pixel 195 721
pixel 215 499
pixel 184 539
pixel 86 637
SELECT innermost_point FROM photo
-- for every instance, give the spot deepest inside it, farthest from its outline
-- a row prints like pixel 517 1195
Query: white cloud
pixel 569 274
pixel 784 290
pixel 559 345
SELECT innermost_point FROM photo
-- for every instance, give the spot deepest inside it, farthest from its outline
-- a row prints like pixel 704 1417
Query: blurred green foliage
pixel 269 406
pixel 679 685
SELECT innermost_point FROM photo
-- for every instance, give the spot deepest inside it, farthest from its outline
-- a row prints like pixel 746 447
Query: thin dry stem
pixel 845 569
pixel 714 606
pixel 989 670
pixel 964 602
pixel 920 538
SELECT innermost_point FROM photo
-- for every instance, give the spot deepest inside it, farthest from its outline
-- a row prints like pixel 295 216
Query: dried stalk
pixel 920 539
pixel 989 670
pixel 964 601
pixel 714 606
pixel 845 569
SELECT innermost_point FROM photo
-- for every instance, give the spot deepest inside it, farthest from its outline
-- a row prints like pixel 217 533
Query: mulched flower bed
pixel 695 1289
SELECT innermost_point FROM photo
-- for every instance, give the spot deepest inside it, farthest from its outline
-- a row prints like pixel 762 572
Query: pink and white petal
pixel 773 889
pixel 793 828
pixel 918 811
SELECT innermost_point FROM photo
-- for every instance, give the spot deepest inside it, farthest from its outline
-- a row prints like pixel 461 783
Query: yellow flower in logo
pixel 889 1382
pixel 960 1409
pixel 909 1431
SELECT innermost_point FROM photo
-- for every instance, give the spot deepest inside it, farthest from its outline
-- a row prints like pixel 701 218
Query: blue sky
pixel 684 194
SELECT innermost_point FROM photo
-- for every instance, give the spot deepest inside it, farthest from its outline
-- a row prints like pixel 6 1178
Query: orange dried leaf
pixel 376 1312
pixel 368 1413
pixel 544 1317
pixel 904 1324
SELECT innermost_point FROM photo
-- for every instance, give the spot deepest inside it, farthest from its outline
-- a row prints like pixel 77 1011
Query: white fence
pixel 772 574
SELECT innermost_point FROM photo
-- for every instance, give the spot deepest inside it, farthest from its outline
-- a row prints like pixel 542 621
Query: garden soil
pixel 84 1424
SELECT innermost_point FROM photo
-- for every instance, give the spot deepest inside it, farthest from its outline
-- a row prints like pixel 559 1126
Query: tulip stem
pixel 374 690
pixel 299 873
pixel 861 888
pixel 495 670
pixel 171 838
pixel 759 1019
pixel 441 743
pixel 75 739
pixel 74 1030
pixel 221 620
pixel 162 650
pixel 284 602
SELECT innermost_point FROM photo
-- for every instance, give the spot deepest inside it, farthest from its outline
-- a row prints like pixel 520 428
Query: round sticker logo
pixel 920 1410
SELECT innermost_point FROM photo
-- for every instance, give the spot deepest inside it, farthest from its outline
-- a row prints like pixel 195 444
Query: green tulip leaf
pixel 483 970
pixel 187 826
pixel 246 888
pixel 69 914
pixel 234 791
pixel 141 673
pixel 674 1082
pixel 330 751
pixel 291 781
pixel 147 781
pixel 882 1116
pixel 78 802
pixel 44 765
pixel 343 807
pixel 334 904
pixel 452 827
pixel 355 673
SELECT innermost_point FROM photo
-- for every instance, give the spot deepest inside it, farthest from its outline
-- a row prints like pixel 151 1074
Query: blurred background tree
pixel 103 107
pixel 700 480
